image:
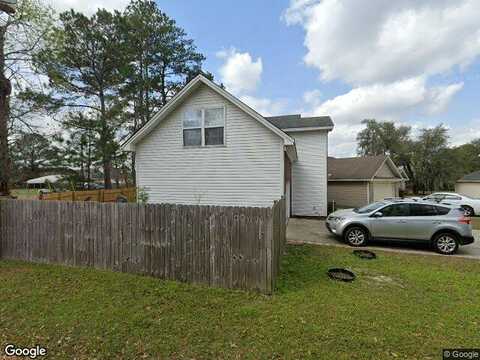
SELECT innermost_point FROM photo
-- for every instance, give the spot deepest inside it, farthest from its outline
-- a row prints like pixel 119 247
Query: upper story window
pixel 204 127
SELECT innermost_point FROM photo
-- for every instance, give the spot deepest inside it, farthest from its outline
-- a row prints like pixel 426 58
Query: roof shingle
pixel 286 122
pixel 355 168
pixel 475 176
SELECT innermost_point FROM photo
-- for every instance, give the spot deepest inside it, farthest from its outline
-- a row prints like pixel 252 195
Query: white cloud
pixel 440 97
pixel 387 51
pixel 312 97
pixel 87 6
pixel 392 102
pixel 464 133
pixel 386 41
pixel 263 106
pixel 388 101
pixel 240 73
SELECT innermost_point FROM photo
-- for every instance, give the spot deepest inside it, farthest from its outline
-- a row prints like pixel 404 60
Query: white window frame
pixel 203 127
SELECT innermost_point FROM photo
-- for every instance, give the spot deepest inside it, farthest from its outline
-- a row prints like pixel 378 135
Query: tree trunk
pixel 89 163
pixel 104 143
pixel 5 90
pixel 107 174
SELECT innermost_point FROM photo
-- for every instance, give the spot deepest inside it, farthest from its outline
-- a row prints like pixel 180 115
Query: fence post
pixel 269 250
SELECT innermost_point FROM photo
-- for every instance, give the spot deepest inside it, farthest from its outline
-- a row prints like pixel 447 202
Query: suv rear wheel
pixel 445 243
pixel 468 210
pixel 356 236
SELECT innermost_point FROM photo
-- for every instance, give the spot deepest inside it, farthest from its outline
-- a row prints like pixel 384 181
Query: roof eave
pixel 312 128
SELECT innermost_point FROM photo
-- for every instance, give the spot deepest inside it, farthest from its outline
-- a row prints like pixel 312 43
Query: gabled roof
pixel 45 179
pixel 182 95
pixel 473 177
pixel 403 173
pixel 296 122
pixel 359 168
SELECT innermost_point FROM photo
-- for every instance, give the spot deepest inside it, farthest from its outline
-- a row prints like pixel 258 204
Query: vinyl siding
pixel 469 189
pixel 348 194
pixel 309 174
pixel 385 172
pixel 247 171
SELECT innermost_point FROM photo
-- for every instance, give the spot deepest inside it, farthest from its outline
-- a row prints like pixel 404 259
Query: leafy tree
pixel 79 148
pixel 161 58
pixel 428 160
pixel 85 64
pixel 118 68
pixel 385 138
pixel 21 37
pixel 33 153
pixel 431 160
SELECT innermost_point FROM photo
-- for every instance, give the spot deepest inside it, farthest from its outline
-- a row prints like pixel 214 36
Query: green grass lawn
pixel 401 306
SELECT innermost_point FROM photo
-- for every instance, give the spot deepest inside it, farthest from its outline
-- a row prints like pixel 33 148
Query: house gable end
pixel 183 95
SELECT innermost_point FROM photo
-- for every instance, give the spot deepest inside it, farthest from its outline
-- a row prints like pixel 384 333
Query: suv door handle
pixel 402 221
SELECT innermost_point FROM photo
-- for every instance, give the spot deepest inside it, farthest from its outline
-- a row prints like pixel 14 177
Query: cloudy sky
pixel 410 61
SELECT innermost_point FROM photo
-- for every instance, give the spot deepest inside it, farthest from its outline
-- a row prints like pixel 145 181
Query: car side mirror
pixel 378 214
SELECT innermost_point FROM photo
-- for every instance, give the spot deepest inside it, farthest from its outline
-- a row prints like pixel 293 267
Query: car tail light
pixel 465 220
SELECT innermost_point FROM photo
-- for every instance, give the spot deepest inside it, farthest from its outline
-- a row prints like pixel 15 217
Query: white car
pixel 470 205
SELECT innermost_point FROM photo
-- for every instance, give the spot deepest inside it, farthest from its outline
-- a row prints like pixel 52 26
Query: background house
pixel 357 181
pixel 207 147
pixel 469 185
pixel 44 181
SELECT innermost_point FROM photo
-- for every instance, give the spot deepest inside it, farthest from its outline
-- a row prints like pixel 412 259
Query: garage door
pixel 469 189
pixel 382 191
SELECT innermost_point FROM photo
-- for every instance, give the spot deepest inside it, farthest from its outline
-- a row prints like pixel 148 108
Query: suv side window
pixel 442 210
pixel 396 210
pixel 423 210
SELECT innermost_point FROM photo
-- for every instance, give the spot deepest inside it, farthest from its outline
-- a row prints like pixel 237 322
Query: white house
pixel 469 185
pixel 206 147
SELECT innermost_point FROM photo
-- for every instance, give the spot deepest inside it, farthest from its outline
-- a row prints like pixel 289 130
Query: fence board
pixel 232 247
pixel 111 195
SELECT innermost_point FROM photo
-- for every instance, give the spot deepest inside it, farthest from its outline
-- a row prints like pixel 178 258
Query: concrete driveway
pixel 309 231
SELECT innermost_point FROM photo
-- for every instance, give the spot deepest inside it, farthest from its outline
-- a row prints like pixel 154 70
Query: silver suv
pixel 445 227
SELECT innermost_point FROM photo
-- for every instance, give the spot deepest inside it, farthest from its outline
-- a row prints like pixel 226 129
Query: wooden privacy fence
pixel 231 247
pixel 93 195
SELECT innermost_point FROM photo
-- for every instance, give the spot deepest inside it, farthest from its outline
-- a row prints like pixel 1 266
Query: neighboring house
pixel 207 147
pixel 469 185
pixel 355 182
pixel 44 181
